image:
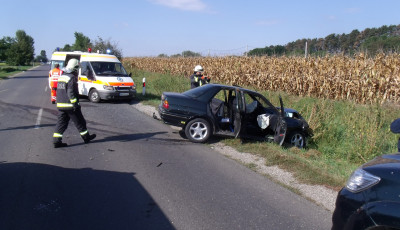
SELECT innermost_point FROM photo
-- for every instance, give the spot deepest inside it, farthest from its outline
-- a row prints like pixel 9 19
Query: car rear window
pixel 197 92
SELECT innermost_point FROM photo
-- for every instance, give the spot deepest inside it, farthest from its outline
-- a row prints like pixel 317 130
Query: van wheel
pixel 94 96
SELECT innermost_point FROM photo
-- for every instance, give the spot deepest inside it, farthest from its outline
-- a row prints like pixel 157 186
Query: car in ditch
pixel 371 197
pixel 232 111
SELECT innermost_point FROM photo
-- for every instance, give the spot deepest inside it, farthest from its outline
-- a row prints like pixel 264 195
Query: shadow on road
pixel 40 196
pixel 33 77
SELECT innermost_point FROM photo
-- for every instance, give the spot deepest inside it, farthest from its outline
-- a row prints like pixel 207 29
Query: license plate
pixel 124 94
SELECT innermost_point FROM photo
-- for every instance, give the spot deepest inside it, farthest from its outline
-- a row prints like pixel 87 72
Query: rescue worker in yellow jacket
pixel 68 105
pixel 197 78
pixel 53 79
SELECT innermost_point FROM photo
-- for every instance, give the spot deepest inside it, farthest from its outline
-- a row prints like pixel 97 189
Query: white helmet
pixel 198 68
pixel 72 65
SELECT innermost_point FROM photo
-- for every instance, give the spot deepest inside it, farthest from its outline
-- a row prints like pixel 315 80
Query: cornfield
pixel 359 78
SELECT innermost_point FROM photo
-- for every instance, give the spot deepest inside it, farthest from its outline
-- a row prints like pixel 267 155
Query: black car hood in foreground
pixel 377 205
pixel 388 161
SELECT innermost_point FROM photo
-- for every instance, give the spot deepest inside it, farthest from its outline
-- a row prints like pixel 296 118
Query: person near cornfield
pixel 68 105
pixel 53 80
pixel 197 78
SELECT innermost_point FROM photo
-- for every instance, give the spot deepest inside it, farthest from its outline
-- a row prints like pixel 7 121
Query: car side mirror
pixel 395 128
pixel 130 74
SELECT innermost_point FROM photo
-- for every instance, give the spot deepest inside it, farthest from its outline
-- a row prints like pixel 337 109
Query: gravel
pixel 319 194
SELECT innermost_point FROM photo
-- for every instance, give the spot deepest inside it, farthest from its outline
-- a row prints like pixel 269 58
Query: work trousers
pixel 53 94
pixel 63 119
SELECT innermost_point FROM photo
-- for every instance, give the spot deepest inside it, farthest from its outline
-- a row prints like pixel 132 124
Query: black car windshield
pixel 108 69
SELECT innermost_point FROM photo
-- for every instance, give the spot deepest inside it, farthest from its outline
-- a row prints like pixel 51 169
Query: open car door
pixel 281 126
pixel 238 109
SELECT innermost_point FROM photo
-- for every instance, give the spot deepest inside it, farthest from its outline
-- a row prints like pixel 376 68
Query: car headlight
pixel 108 87
pixel 361 180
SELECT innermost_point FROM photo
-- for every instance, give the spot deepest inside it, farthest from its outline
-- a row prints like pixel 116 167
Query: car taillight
pixel 166 104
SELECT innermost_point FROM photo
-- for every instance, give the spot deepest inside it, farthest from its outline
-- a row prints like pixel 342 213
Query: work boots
pixel 58 143
pixel 87 137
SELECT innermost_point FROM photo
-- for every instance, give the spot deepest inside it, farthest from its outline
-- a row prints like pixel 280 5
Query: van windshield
pixel 54 62
pixel 108 69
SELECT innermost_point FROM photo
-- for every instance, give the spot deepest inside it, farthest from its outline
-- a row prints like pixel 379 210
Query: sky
pixel 219 27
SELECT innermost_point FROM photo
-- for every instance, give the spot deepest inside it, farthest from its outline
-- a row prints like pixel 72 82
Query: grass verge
pixel 6 71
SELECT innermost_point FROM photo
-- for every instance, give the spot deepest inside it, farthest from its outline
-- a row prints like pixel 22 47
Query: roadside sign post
pixel 144 86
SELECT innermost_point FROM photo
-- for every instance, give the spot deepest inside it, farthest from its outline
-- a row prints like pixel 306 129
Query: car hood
pixel 289 110
pixel 383 162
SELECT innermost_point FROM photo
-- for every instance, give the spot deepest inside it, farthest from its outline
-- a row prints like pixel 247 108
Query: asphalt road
pixel 137 174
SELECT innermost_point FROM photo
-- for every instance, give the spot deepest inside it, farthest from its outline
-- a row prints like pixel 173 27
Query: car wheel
pixel 94 96
pixel 182 133
pixel 198 130
pixel 297 139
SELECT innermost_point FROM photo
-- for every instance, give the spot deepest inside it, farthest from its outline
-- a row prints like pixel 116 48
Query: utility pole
pixel 305 51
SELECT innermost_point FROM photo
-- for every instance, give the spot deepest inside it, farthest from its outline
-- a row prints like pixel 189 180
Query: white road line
pixel 45 89
pixel 3 90
pixel 39 118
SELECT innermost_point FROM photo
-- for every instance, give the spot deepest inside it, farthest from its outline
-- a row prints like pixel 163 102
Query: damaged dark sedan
pixel 232 111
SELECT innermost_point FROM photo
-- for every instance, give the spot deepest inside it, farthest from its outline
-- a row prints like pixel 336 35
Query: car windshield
pixel 108 69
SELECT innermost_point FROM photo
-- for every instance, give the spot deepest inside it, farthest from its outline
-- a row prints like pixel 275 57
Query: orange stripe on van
pixel 121 83
pixel 84 79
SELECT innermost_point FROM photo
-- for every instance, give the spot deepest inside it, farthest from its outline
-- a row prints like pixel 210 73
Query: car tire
pixel 297 139
pixel 182 133
pixel 198 130
pixel 94 96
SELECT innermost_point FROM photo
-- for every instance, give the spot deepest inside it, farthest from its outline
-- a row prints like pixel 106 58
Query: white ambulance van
pixel 101 76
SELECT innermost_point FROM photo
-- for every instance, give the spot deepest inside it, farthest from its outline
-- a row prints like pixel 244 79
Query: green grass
pixel 346 134
pixel 6 71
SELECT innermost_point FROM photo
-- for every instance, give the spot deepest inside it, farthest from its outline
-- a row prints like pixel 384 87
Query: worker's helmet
pixel 198 68
pixel 73 65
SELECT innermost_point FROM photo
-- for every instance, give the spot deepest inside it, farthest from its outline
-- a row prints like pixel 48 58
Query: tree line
pixel 371 40
pixel 186 53
pixel 19 50
pixel 83 43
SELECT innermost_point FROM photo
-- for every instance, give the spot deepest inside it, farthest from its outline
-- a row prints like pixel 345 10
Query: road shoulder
pixel 320 195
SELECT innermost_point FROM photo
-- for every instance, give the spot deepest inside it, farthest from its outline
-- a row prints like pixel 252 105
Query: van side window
pixel 85 68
